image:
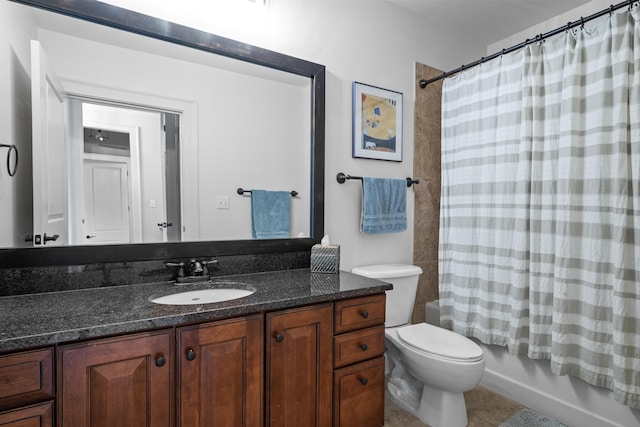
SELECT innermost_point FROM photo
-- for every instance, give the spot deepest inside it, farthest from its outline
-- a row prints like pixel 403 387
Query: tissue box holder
pixel 325 258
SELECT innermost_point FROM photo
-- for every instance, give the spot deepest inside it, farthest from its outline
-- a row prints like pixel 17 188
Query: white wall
pixel 370 42
pixel 373 43
pixel 550 25
pixel 568 399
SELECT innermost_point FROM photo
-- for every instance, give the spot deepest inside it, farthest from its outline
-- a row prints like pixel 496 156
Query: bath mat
pixel 529 418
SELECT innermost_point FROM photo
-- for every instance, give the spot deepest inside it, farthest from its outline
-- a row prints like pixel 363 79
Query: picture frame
pixel 377 123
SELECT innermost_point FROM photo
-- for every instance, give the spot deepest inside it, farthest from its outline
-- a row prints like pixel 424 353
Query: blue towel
pixel 384 205
pixel 270 214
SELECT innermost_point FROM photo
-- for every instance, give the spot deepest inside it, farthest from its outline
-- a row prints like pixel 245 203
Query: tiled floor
pixel 484 409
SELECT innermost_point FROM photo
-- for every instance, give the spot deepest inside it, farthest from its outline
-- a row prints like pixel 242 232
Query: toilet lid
pixel 441 342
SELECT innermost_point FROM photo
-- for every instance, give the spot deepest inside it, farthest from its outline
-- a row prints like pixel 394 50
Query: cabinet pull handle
pixel 160 361
pixel 278 337
pixel 191 354
pixel 364 347
pixel 365 314
pixel 364 381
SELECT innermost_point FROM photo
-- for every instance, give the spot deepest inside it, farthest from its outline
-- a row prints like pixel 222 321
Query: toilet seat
pixel 440 342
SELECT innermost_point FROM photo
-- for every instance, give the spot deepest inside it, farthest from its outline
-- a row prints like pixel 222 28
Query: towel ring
pixel 12 148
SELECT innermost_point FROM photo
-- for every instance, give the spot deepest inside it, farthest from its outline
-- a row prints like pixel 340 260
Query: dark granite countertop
pixel 37 320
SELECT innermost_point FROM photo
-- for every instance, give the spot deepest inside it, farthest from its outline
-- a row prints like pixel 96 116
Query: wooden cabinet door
pixel 123 381
pixel 220 373
pixel 299 366
pixel 358 393
pixel 32 416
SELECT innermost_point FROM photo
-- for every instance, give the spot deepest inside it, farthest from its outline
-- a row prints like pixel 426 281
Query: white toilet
pixel 430 367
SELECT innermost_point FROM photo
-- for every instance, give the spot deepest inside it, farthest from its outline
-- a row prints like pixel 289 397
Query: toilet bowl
pixel 429 367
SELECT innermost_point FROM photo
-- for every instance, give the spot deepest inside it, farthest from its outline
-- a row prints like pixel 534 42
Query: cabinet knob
pixel 364 381
pixel 365 314
pixel 278 337
pixel 160 361
pixel 191 354
pixel 364 347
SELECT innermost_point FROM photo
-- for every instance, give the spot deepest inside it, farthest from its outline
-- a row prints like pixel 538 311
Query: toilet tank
pixel 400 300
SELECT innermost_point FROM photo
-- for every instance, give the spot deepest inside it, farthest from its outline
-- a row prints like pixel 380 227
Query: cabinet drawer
pixel 32 416
pixel 357 346
pixel 26 378
pixel 359 395
pixel 359 313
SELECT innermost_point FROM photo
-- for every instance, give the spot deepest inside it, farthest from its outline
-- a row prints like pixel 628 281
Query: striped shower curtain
pixel 540 204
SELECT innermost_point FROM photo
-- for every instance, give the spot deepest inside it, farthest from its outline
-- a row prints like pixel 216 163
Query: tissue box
pixel 325 258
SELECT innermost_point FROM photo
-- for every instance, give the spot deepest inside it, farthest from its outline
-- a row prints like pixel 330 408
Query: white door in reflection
pixel 136 137
pixel 50 207
pixel 106 202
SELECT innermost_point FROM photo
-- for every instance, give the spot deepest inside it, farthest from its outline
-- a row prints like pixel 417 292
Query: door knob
pixel 365 314
pixel 50 238
pixel 364 381
pixel 278 337
pixel 364 347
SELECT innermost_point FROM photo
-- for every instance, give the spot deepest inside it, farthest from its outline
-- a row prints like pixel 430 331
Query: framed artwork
pixel 377 123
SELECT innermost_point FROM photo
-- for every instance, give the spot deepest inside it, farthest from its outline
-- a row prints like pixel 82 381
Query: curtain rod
pixel 538 38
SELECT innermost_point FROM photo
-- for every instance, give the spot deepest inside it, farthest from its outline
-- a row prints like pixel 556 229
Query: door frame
pixel 189 157
pixel 135 194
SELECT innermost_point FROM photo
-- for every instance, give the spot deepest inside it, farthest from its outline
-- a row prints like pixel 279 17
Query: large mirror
pixel 162 125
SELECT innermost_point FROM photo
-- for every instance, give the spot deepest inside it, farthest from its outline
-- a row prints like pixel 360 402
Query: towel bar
pixel 241 191
pixel 341 178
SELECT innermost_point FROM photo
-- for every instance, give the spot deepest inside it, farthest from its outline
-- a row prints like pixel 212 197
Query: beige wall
pixel 426 168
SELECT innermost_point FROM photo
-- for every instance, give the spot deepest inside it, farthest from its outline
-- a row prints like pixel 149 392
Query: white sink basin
pixel 202 296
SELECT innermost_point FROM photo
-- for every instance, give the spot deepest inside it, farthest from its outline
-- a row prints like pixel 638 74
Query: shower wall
pixel 426 168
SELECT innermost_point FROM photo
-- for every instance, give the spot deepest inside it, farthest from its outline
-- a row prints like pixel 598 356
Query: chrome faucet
pixel 192 271
pixel 195 268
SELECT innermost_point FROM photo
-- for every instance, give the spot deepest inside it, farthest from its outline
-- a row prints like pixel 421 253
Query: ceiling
pixel 487 21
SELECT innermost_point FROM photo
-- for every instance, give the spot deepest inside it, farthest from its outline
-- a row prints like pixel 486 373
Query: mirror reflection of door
pixel 106 200
pixel 125 145
pixel 50 208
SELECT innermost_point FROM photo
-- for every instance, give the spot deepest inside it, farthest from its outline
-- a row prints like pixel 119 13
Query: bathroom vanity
pixel 303 349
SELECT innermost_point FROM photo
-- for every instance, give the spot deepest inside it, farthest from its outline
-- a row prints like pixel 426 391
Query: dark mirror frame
pixel 123 19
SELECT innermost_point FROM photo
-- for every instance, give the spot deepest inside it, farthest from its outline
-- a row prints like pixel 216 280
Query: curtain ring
pixel 610 10
pixel 581 23
pixel 11 170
